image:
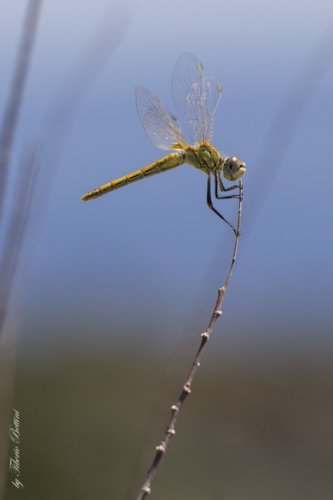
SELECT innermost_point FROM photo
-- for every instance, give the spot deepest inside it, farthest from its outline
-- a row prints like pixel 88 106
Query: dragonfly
pixel 196 98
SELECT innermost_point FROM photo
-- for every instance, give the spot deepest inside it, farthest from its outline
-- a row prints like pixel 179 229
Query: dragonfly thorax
pixel 205 157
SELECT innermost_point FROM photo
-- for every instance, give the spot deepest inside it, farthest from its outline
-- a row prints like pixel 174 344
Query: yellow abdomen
pixel 166 163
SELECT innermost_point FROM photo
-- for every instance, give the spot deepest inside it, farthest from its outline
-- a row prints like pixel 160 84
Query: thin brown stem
pixel 187 387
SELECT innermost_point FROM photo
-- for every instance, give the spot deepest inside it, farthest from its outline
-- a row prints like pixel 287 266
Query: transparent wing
pixel 196 97
pixel 162 128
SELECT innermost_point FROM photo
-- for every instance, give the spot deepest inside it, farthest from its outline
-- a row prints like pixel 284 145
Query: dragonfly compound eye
pixel 233 168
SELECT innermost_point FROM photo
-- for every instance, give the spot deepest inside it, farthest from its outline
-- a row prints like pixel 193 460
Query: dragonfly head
pixel 233 168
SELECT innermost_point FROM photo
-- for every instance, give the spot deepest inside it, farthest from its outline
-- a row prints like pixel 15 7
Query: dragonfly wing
pixel 162 128
pixel 196 97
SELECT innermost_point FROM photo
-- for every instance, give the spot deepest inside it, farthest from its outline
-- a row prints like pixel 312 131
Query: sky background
pixel 149 258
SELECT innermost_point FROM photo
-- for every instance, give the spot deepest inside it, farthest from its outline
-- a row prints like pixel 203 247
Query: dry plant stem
pixel 186 390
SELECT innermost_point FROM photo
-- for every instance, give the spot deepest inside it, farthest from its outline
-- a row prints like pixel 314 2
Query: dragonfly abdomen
pixel 166 163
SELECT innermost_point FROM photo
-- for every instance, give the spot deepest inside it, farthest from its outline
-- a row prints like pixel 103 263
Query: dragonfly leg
pixel 222 186
pixel 218 182
pixel 211 206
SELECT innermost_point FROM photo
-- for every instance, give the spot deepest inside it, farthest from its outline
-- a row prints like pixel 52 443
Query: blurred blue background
pixel 140 267
pixel 153 250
